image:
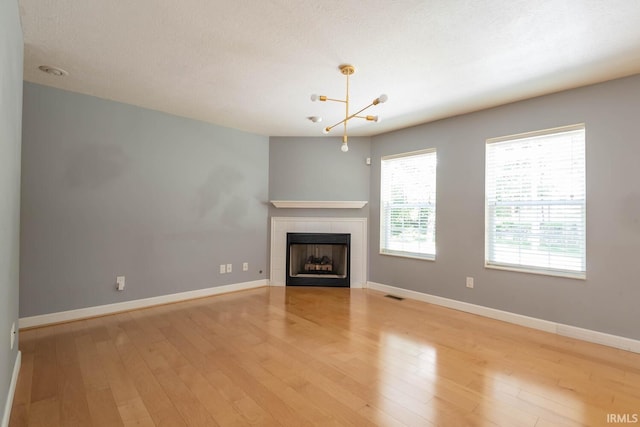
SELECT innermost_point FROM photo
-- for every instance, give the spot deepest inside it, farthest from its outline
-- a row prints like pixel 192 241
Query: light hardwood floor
pixel 315 356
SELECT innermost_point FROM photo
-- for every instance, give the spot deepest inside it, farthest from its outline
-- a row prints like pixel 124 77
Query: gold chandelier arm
pixel 328 128
pixel 356 114
pixel 333 99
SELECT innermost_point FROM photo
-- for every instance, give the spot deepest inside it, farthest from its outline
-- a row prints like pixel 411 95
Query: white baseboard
pixel 100 310
pixel 518 319
pixel 12 390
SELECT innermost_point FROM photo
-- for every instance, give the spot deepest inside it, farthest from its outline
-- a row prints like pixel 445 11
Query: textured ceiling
pixel 252 65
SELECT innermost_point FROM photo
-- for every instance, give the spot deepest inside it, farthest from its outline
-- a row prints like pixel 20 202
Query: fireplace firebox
pixel 318 259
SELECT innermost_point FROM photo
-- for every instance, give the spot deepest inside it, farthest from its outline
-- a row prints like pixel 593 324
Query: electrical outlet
pixel 223 268
pixel 120 283
pixel 13 335
pixel 245 266
pixel 229 268
pixel 470 282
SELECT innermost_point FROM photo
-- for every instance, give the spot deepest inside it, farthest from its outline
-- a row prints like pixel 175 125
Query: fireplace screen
pixel 320 259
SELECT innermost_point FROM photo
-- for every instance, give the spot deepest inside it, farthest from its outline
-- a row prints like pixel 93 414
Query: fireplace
pixel 318 259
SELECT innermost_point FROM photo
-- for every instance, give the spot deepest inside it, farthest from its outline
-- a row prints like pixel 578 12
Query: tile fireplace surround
pixel 357 227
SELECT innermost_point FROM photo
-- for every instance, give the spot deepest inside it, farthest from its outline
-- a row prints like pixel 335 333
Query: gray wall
pixel 608 300
pixel 316 169
pixel 10 128
pixel 111 189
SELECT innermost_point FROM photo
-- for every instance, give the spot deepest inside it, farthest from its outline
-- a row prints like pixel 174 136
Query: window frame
pixel 557 272
pixel 401 253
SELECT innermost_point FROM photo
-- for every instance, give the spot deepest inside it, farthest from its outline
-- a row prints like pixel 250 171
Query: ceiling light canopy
pixel 347 70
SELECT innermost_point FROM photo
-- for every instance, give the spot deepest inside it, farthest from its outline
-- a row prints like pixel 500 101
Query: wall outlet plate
pixel 245 266
pixel 229 268
pixel 120 283
pixel 13 335
pixel 470 282
pixel 223 268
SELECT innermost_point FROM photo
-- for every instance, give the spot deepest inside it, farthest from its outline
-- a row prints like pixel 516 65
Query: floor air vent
pixel 394 297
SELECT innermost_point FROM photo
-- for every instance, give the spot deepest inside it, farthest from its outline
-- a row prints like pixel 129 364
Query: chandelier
pixel 346 70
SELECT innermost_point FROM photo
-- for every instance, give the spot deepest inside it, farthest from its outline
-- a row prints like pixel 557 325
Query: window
pixel 535 202
pixel 408 205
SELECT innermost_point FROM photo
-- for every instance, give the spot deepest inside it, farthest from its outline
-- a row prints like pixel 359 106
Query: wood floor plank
pixel 309 356
pixel 45 413
pixel 155 400
pixel 93 374
pixel 249 409
pixel 134 412
pixel 102 407
pixel 266 398
pixel 193 412
pixel 74 406
pixel 222 411
pixel 45 375
pixel 120 382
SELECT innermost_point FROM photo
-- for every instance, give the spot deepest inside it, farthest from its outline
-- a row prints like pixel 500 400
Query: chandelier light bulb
pixel 314 97
pixel 344 147
pixel 383 98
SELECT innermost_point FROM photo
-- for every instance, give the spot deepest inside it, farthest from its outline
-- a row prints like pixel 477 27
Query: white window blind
pixel 535 202
pixel 408 204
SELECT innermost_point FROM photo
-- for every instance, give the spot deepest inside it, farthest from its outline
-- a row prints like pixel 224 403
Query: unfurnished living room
pixel 336 213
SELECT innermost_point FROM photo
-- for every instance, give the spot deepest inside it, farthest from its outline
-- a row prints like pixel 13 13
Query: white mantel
pixel 319 204
pixel 357 227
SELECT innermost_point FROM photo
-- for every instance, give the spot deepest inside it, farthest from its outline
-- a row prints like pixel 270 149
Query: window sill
pixel 319 204
pixel 400 255
pixel 563 274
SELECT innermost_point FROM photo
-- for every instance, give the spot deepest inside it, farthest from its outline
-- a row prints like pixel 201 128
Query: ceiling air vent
pixel 58 72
